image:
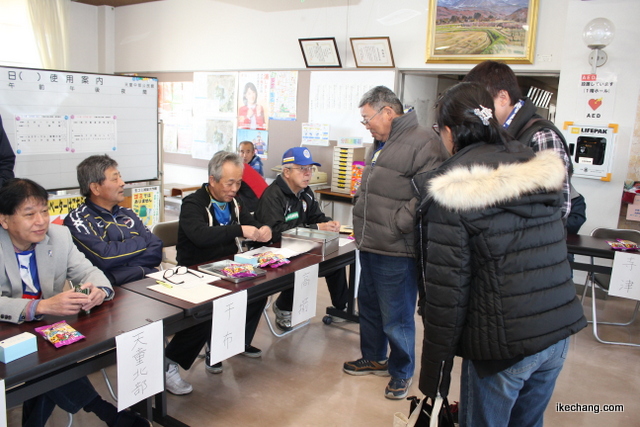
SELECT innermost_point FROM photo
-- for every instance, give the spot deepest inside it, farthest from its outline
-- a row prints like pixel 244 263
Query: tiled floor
pixel 299 382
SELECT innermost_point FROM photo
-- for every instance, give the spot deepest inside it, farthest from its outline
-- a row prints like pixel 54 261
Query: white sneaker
pixel 338 319
pixel 174 382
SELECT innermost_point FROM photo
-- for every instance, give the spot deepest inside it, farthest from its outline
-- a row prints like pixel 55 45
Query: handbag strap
pixel 413 418
pixel 436 411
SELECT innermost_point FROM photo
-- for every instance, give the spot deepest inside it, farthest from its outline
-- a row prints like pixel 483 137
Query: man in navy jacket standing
pixel 112 237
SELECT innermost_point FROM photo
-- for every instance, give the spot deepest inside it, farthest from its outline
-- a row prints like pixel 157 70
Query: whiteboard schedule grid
pixel 56 119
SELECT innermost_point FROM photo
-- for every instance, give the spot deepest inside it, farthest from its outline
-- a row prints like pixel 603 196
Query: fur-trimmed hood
pixel 478 186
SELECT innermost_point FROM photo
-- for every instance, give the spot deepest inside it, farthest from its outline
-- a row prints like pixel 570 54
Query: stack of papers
pixel 193 287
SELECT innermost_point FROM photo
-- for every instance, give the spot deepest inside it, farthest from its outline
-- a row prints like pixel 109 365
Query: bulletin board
pixel 55 119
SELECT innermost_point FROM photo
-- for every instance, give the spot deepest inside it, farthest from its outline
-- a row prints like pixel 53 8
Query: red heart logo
pixel 595 103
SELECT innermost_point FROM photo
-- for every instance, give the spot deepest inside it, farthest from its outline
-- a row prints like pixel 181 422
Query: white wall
pixel 188 35
pixel 603 198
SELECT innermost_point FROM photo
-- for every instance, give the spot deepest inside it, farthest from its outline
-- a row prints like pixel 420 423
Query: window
pixel 18 47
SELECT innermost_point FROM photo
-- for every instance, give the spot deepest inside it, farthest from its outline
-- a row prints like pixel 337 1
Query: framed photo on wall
pixel 495 30
pixel 320 53
pixel 372 52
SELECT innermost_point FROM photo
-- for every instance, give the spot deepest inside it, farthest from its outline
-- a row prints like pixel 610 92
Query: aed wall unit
pixel 591 149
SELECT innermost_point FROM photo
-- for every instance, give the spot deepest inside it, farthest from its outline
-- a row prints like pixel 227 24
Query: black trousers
pixel 338 289
pixel 186 344
pixel 71 397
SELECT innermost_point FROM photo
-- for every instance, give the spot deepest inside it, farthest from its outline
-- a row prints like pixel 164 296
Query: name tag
pixel 291 216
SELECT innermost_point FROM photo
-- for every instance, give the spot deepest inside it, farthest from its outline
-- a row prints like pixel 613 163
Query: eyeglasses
pixel 366 121
pixel 177 272
pixel 304 169
pixel 436 129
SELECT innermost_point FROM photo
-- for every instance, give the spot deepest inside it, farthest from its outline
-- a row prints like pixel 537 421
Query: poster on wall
pixel 254 88
pixel 597 97
pixel 283 95
pixel 315 134
pixel 61 205
pixel 145 202
pixel 215 94
pixel 260 139
pixel 211 136
pixel 175 103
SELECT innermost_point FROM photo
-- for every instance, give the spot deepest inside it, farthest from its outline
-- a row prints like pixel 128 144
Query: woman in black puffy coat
pixel 497 284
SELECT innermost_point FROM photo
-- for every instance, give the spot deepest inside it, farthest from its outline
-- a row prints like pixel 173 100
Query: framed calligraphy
pixel 320 52
pixel 372 52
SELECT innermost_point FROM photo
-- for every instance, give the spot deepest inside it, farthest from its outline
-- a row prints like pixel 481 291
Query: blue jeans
pixel 517 396
pixel 387 304
pixel 71 397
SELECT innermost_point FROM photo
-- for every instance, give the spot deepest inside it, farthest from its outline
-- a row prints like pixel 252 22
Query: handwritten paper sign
pixel 625 277
pixel 140 357
pixel 227 331
pixel 305 294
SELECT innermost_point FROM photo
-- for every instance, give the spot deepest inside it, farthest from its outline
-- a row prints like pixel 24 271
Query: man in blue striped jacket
pixel 112 237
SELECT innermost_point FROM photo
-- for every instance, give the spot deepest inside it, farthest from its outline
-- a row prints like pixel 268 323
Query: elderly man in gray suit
pixel 36 259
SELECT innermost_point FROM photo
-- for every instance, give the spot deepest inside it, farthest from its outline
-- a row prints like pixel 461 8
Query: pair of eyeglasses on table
pixel 179 271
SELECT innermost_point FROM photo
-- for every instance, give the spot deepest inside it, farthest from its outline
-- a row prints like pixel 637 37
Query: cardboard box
pixel 17 346
pixel 310 240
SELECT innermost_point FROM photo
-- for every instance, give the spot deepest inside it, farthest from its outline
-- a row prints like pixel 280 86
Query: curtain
pixel 49 21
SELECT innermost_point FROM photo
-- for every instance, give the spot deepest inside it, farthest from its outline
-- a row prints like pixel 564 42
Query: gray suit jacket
pixel 57 258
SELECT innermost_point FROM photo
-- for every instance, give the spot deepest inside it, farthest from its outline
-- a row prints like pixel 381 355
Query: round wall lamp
pixel 597 34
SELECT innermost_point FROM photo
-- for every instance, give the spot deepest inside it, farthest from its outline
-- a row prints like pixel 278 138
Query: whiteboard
pixel 55 119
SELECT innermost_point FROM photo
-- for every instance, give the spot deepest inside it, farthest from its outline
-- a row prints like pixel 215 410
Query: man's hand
pixel 64 304
pixel 329 226
pixel 250 232
pixel 96 296
pixel 265 233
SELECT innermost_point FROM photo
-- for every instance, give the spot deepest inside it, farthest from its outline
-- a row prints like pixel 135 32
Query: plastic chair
pixel 168 233
pixel 601 281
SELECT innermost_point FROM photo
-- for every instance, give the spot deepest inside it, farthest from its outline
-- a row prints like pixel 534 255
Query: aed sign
pixel 597 97
pixel 591 149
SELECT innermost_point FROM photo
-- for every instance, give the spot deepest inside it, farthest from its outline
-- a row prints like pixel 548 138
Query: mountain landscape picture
pixel 489 28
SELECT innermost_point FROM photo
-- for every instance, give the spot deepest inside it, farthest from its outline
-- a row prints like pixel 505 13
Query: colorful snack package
pixel 60 333
pixel 622 245
pixel 628 245
pixel 239 270
pixel 269 259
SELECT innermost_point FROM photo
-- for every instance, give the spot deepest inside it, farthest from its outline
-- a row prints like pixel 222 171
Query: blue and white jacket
pixel 116 242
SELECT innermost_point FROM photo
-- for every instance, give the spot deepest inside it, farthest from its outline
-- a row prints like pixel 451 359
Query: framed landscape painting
pixel 470 31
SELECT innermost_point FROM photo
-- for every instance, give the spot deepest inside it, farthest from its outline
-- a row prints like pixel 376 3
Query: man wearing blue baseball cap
pixel 288 203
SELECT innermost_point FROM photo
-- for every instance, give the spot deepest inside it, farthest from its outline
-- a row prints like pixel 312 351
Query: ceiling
pixel 113 3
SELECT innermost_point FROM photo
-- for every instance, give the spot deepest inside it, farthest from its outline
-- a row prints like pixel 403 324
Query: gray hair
pixel 219 159
pixel 380 97
pixel 92 170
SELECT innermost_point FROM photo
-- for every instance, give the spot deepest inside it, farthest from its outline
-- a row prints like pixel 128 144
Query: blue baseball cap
pixel 298 156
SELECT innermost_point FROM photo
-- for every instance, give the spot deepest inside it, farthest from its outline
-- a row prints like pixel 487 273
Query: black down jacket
pixel 494 260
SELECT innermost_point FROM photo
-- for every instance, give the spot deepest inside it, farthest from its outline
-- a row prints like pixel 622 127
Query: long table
pixel 51 367
pixel 276 280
